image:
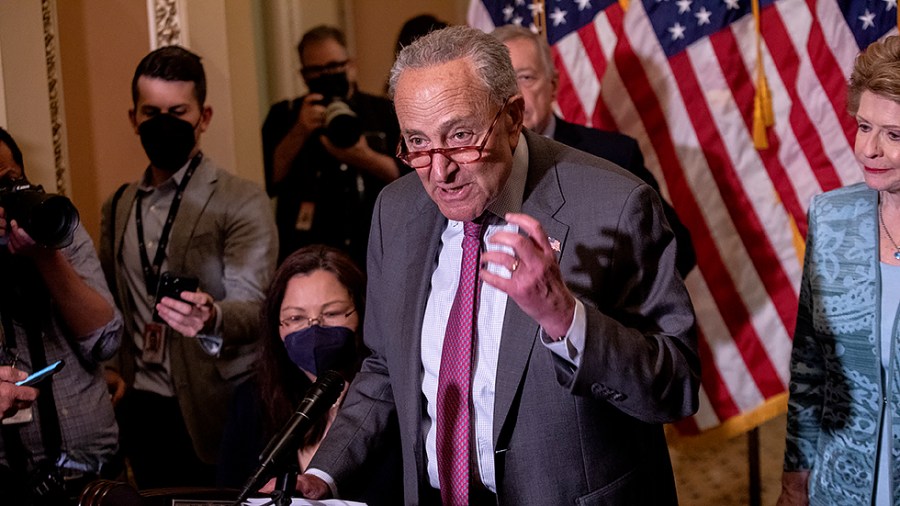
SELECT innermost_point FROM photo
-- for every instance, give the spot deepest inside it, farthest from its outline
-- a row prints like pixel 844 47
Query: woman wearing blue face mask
pixel 313 320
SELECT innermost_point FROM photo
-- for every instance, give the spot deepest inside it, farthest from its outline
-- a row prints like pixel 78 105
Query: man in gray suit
pixel 584 341
pixel 188 347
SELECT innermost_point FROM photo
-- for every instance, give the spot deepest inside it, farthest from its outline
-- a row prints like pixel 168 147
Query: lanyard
pixel 151 271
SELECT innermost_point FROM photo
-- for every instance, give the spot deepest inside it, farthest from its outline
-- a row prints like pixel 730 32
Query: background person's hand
pixel 794 489
pixel 20 243
pixel 115 384
pixel 191 316
pixel 312 113
pixel 12 397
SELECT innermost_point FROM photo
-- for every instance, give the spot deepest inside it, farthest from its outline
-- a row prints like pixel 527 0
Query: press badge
pixel 154 343
pixel 305 216
pixel 25 415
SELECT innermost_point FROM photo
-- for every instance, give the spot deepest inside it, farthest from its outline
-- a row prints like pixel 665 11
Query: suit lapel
pixel 196 196
pixel 123 213
pixel 417 265
pixel 542 200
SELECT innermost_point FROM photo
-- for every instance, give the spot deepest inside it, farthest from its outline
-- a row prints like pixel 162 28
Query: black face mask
pixel 167 140
pixel 330 85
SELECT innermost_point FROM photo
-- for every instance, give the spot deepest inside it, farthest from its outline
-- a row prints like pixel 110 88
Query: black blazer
pixel 625 152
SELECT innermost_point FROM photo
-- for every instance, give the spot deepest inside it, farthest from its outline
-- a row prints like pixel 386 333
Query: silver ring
pixel 514 266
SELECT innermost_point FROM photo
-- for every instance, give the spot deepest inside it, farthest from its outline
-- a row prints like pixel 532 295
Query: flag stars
pixel 684 6
pixel 558 16
pixel 520 3
pixel 702 16
pixel 517 21
pixel 891 4
pixel 732 4
pixel 536 8
pixel 868 19
pixel 677 31
pixel 583 4
pixel 508 12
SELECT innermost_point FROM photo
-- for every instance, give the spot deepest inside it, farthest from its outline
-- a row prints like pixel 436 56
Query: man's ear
pixel 352 72
pixel 132 117
pixel 516 112
pixel 205 118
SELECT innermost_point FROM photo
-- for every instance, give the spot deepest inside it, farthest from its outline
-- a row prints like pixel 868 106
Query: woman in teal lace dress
pixel 843 433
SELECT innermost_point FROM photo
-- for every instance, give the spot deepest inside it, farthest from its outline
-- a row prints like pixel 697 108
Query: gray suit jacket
pixel 590 435
pixel 224 234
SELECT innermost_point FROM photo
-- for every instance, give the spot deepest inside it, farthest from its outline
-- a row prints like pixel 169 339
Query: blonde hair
pixel 877 69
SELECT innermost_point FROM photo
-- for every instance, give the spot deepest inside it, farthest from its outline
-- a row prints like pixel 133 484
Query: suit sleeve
pixel 103 342
pixel 368 409
pixel 685 258
pixel 640 346
pixel 250 251
pixel 807 372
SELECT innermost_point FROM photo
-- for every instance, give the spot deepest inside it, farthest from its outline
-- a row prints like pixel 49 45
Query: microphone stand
pixel 281 452
pixel 285 484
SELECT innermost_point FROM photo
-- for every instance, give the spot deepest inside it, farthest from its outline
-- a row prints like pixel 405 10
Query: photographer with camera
pixel 54 305
pixel 328 154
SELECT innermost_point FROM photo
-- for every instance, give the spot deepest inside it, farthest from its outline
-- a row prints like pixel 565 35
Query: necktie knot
pixel 472 229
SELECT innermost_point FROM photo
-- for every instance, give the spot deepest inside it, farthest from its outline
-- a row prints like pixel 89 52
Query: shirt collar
pixel 510 198
pixel 551 127
pixel 173 181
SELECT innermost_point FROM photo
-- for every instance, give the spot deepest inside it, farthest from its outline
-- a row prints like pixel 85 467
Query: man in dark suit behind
pixel 580 342
pixel 538 79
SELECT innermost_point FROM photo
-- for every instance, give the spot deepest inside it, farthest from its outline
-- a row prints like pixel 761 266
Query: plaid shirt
pixel 87 422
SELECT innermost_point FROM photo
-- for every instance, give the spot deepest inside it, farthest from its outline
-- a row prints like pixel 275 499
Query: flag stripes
pixel 680 77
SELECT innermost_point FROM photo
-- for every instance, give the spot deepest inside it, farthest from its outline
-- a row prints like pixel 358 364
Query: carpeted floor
pixel 718 476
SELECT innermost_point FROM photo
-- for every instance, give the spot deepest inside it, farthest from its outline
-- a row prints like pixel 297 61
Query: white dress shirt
pixel 491 312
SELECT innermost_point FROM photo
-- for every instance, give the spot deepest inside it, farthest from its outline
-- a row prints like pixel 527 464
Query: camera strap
pixel 151 271
pixel 51 436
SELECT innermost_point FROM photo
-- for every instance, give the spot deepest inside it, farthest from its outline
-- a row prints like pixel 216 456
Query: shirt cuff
pixel 570 347
pixel 212 343
pixel 318 473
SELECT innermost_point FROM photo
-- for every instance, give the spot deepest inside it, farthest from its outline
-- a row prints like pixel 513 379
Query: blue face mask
pixel 317 349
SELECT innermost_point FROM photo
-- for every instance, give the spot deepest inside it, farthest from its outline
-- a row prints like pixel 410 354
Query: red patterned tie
pixel 453 379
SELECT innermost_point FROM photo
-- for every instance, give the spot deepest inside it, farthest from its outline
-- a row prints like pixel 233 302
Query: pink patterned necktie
pixel 454 375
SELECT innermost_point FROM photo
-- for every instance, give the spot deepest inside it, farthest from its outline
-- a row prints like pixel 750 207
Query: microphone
pixel 319 398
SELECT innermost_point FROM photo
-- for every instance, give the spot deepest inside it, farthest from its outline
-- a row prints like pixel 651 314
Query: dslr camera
pixel 49 219
pixel 342 125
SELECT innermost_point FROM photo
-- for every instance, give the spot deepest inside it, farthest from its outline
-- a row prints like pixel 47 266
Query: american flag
pixel 681 77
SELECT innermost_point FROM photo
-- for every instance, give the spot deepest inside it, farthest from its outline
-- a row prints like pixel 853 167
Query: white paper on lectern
pixel 306 502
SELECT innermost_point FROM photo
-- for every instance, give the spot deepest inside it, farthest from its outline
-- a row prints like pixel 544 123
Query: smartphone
pixel 39 376
pixel 171 286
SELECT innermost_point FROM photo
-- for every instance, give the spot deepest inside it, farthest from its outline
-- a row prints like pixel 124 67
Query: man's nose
pixel 443 167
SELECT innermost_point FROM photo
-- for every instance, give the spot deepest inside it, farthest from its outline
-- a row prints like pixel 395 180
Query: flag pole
pixel 763 117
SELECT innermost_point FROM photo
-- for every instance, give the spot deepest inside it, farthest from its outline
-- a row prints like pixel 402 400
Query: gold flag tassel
pixel 763 117
pixel 539 17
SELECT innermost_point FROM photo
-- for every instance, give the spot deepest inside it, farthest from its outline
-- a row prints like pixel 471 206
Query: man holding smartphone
pixel 185 218
pixel 54 305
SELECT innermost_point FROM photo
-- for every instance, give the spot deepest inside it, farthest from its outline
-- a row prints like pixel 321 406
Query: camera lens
pixel 342 125
pixel 53 221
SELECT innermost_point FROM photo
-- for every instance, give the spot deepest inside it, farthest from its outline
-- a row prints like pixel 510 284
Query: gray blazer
pixel 224 234
pixel 590 435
